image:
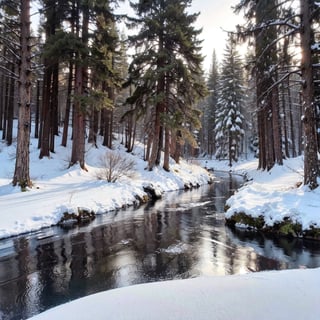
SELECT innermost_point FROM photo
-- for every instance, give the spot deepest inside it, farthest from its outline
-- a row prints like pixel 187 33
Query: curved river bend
pixel 181 236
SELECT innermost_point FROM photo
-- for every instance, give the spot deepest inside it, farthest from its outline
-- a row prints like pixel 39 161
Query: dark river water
pixel 179 237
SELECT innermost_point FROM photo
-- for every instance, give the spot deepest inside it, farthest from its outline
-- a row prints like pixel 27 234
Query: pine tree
pixel 229 118
pixel 166 71
pixel 106 77
pixel 262 26
pixel 55 13
pixel 210 107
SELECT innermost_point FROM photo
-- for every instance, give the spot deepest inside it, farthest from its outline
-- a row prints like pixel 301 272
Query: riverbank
pixel 273 201
pixel 60 192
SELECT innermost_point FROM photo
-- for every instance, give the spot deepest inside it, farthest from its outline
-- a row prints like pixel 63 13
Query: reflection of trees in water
pixel 164 258
pixel 15 268
pixel 278 252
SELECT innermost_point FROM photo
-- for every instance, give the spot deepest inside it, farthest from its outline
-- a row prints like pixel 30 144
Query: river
pixel 181 236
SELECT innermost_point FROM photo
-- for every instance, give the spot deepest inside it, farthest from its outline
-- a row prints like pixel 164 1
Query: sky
pixel 216 17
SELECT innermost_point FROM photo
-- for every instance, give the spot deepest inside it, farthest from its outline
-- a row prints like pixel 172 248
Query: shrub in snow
pixel 115 165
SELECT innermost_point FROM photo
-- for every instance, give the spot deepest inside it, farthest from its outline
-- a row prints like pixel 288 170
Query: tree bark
pixel 5 107
pixel 81 83
pixel 21 174
pixel 68 106
pixel 270 147
pixel 78 143
pixel 11 100
pixel 37 115
pixel 46 114
pixel 166 157
pixel 311 169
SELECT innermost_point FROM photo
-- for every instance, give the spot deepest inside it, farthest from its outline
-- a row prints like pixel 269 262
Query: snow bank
pixel 58 189
pixel 276 195
pixel 267 295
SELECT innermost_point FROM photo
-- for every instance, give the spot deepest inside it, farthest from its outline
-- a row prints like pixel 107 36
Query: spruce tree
pixel 229 118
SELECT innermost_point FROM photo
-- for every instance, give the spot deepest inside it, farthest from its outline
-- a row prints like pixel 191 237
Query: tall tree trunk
pixel 92 134
pixel 262 138
pixel 110 118
pixel 73 22
pixel 68 106
pixel 160 106
pixel 267 103
pixel 21 175
pixel 46 114
pixel 37 115
pixel 278 157
pixel 54 126
pixel 107 130
pixel 93 126
pixel 78 143
pixel 166 157
pixel 177 149
pixel 5 108
pixel 2 86
pixel 81 83
pixel 292 127
pixel 148 148
pixel 311 169
pixel 155 138
pixel 11 100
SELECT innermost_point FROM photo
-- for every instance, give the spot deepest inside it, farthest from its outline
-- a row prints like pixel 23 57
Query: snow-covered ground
pixel 58 189
pixel 267 295
pixel 276 194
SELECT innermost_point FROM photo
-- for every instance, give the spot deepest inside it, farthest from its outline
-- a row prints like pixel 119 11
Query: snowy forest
pixel 74 70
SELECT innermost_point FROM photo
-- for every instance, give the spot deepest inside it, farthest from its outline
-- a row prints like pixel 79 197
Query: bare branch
pixel 275 84
pixel 9 72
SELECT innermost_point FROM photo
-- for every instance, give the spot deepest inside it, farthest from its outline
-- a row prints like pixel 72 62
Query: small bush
pixel 115 165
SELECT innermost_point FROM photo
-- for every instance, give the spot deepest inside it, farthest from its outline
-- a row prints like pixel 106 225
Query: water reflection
pixel 181 236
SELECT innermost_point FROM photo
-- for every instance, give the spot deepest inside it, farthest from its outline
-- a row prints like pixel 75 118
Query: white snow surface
pixel 58 189
pixel 272 295
pixel 279 194
pixel 275 194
